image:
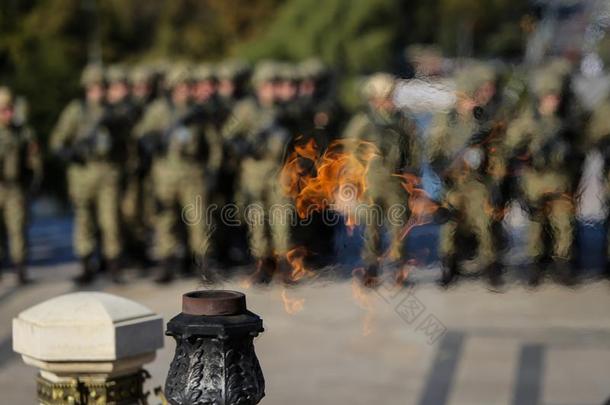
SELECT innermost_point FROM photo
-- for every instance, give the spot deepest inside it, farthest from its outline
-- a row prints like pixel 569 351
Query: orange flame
pixel 292 305
pixel 337 179
pixel 296 259
pixel 402 274
pixel 422 207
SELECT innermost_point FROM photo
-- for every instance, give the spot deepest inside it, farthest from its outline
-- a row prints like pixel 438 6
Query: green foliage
pixel 45 43
pixel 354 36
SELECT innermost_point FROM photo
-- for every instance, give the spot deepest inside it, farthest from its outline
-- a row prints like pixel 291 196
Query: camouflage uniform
pixel 232 76
pixel 176 136
pixel 598 136
pixel 254 135
pixel 82 137
pixel 142 82
pixel 320 115
pixel 459 150
pixel 288 109
pixel 394 134
pixel 137 205
pixel 540 141
pixel 20 167
pixel 229 242
pixel 125 113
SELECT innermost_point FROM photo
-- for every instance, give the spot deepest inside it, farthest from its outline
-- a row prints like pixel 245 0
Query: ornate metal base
pixel 215 362
pixel 123 390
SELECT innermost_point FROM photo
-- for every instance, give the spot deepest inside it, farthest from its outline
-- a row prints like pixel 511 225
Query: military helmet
pixel 232 69
pixel 116 73
pixel 470 78
pixel 547 81
pixel 561 67
pixel 265 71
pixel 287 71
pixel 312 68
pixel 92 74
pixel 160 67
pixel 141 74
pixel 6 97
pixel 178 74
pixel 379 85
pixel 419 52
pixel 203 71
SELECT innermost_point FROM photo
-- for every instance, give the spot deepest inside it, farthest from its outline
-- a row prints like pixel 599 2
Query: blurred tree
pixel 352 35
pixel 41 51
pixel 44 44
pixel 481 28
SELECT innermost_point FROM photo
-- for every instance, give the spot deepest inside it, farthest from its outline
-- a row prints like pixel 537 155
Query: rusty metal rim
pixel 214 302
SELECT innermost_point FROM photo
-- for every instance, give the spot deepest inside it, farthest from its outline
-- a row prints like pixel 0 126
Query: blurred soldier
pixel 320 113
pixel 598 134
pixel 83 137
pixel 173 134
pixel 141 81
pixel 125 114
pixel 539 138
pixel 232 89
pixel 493 111
pixel 232 82
pixel 459 150
pixel 395 135
pixel 20 170
pixel 205 97
pixel 425 61
pixel 286 88
pixel 205 85
pixel 254 135
pixel 204 94
pixel 138 203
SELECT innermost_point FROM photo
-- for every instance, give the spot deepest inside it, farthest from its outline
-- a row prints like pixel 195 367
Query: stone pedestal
pixel 89 347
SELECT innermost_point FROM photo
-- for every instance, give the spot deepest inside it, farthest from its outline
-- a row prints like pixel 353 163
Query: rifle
pixel 155 143
pixel 83 148
pixel 486 129
pixel 241 146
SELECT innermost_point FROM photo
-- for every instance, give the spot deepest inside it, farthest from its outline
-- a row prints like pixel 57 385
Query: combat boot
pixel 22 273
pixel 495 276
pixel 87 274
pixel 116 271
pixel 536 273
pixel 168 269
pixel 284 270
pixel 265 269
pixel 371 277
pixel 450 272
pixel 564 272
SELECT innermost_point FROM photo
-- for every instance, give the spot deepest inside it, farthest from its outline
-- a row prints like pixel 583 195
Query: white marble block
pixel 87 333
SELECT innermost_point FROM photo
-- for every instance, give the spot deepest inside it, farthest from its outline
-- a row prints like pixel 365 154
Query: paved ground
pixel 409 346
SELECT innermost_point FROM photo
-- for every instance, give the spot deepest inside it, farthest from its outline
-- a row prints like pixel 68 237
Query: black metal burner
pixel 215 362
